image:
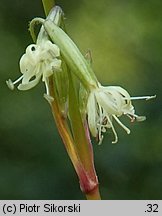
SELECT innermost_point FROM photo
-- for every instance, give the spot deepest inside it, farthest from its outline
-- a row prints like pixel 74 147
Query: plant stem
pixel 81 142
pixel 82 155
pixel 48 5
pixel 94 195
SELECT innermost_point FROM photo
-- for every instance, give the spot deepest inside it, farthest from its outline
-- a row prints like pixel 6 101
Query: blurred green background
pixel 125 38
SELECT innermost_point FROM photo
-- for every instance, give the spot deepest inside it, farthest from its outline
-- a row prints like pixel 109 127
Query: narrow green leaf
pixel 77 126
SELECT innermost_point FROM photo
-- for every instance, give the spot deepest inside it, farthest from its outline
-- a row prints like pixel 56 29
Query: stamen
pixel 140 118
pixel 47 88
pixel 100 140
pixel 11 84
pixel 103 129
pixel 113 129
pixel 100 136
pixel 121 124
pixel 132 118
pixel 48 98
pixel 18 80
pixel 143 97
pixel 47 95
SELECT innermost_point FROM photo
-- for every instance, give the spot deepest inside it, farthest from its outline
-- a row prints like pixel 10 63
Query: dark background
pixel 125 38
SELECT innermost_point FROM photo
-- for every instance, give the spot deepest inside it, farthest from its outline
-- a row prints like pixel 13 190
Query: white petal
pixel 25 64
pixel 123 99
pixel 121 95
pixel 31 50
pixel 56 64
pixel 53 48
pixel 30 84
pixel 106 102
pixel 120 90
pixel 28 76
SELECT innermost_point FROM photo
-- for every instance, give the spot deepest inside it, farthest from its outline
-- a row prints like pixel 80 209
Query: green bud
pixel 73 57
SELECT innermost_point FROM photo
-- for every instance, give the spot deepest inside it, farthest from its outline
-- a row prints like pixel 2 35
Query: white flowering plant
pixel 79 113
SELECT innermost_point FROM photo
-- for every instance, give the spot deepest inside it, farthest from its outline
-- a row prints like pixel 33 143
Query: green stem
pixel 83 146
pixel 48 5
pixel 94 195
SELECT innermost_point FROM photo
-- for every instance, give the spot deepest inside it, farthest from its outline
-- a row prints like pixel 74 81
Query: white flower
pixel 39 60
pixel 108 103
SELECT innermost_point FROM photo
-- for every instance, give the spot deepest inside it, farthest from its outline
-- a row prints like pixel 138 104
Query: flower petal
pixel 52 48
pixel 25 64
pixel 106 101
pixel 30 84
